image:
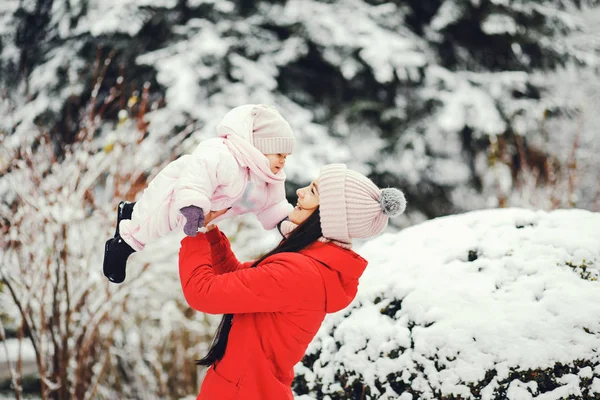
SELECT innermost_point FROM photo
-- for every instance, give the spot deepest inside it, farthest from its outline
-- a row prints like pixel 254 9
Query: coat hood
pixel 237 130
pixel 260 125
pixel 340 268
pixel 239 122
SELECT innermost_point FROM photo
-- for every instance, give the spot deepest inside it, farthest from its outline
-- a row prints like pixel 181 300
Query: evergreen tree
pixel 431 96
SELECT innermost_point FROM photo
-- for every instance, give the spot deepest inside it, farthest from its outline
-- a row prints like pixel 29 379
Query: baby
pixel 240 170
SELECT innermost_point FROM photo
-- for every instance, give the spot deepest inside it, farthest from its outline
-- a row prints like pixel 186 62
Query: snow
pixel 446 15
pixel 219 60
pixel 8 51
pixel 465 104
pixel 352 24
pixel 498 24
pixel 448 172
pixel 13 347
pixel 595 388
pixel 486 290
pixel 107 17
pixel 182 66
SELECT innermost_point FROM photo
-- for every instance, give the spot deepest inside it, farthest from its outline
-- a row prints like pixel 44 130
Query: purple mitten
pixel 194 219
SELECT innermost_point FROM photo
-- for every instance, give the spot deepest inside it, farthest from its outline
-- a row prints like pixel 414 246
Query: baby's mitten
pixel 194 219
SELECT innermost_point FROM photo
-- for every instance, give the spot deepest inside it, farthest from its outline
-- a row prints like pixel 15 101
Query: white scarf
pixel 249 156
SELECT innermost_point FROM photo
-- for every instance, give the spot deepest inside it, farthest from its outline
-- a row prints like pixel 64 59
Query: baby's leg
pixel 152 216
pixel 124 211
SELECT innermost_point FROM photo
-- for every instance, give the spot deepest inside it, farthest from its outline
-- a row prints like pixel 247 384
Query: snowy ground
pixel 447 301
pixel 10 350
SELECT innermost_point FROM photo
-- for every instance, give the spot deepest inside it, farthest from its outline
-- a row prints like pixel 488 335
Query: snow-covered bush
pixel 91 339
pixel 495 304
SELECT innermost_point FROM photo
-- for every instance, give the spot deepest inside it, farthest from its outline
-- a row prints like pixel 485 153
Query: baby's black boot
pixel 116 253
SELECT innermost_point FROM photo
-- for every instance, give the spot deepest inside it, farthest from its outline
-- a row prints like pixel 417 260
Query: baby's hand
pixel 194 219
pixel 212 215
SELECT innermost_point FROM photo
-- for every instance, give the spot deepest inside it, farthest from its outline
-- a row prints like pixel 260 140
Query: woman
pixel 275 306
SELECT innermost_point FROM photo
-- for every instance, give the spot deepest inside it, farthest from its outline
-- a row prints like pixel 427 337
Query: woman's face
pixel 308 201
pixel 276 161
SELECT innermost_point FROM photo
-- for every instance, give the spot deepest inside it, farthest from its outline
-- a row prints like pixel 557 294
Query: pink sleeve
pixel 204 170
pixel 271 216
pixel 277 209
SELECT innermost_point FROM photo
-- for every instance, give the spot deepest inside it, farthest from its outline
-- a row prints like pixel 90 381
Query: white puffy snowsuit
pixel 222 172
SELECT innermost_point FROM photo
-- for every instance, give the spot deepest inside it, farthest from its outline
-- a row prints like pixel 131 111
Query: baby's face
pixel 276 161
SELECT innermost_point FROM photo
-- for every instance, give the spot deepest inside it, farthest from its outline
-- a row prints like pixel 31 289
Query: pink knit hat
pixel 352 206
pixel 271 133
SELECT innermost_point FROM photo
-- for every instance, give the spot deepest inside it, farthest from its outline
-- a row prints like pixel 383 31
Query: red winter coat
pixel 278 308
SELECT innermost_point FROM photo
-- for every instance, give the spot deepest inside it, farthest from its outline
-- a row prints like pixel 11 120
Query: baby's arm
pixel 277 209
pixel 205 169
pixel 274 214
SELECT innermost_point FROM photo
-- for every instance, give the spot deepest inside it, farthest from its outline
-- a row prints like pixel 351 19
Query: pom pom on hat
pixel 392 202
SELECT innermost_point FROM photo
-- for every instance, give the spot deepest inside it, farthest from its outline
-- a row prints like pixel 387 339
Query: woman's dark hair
pixel 305 234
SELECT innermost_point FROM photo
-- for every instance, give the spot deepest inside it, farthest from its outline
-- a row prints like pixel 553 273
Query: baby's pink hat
pixel 271 132
pixel 352 206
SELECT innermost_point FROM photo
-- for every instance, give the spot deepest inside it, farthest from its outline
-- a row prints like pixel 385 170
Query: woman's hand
pixel 212 215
